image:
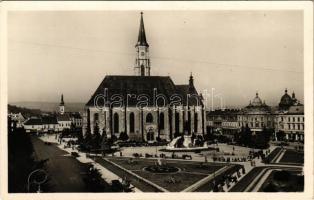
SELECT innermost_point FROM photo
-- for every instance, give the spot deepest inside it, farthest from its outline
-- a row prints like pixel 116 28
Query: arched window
pixel 142 70
pixel 96 117
pixel 132 122
pixel 189 122
pixel 149 118
pixel 161 121
pixel 176 122
pixel 195 122
pixel 116 123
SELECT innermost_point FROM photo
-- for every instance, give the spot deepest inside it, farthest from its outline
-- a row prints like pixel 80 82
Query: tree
pixel 123 136
pixel 245 136
pixel 22 162
pixel 280 135
pixel 261 140
pixel 93 180
pixel 95 142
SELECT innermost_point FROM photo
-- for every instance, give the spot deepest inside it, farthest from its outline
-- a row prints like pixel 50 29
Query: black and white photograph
pixel 167 99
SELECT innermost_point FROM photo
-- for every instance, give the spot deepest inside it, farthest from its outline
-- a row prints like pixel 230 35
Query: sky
pixel 238 53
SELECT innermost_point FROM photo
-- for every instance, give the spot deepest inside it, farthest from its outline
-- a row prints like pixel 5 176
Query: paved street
pixel 64 171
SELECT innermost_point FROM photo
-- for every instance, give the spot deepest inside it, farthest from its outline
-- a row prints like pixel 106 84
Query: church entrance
pixel 150 136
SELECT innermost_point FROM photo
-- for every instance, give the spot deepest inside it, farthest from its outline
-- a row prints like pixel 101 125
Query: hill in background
pixel 50 106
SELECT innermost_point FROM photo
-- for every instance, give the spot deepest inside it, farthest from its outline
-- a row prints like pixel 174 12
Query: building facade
pixel 257 116
pixel 223 121
pixel 145 107
pixel 54 123
pixel 285 120
pixel 289 119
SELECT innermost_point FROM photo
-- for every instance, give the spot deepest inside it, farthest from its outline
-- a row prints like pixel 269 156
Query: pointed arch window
pixel 116 123
pixel 176 122
pixel 142 70
pixel 195 122
pixel 149 118
pixel 161 121
pixel 132 122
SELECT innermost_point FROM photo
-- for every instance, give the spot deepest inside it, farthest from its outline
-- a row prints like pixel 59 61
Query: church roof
pixel 64 117
pixel 41 121
pixel 33 121
pixel 256 107
pixel 139 86
pixel 49 120
pixel 299 109
pixel 141 41
pixel 75 115
pixel 257 101
pixel 62 102
pixel 286 101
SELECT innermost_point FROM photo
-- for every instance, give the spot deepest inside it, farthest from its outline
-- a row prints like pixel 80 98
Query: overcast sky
pixel 235 52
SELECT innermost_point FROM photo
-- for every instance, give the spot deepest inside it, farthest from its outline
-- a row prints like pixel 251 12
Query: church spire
pixel 62 102
pixel 141 41
pixel 142 61
pixel 191 80
pixel 61 106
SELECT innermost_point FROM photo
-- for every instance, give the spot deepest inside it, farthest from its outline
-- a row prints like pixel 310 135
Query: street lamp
pixel 39 180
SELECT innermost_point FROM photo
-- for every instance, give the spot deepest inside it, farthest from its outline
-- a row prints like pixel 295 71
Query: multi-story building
pixel 223 121
pixel 17 119
pixel 257 116
pixel 286 119
pixel 42 124
pixel 290 118
pixel 76 119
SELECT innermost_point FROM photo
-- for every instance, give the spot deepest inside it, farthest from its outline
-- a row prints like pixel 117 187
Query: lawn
pixel 292 156
pixel 190 172
pixel 295 184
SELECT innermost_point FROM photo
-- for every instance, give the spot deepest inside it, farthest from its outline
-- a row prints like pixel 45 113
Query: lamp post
pixel 39 181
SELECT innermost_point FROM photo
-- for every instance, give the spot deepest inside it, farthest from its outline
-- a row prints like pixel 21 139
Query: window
pixel 96 116
pixel 177 116
pixel 288 119
pixel 116 123
pixel 132 122
pixel 149 118
pixel 298 119
pixel 196 122
pixel 161 121
pixel 293 119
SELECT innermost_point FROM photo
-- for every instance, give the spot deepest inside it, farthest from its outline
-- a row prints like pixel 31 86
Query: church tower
pixel 61 106
pixel 142 62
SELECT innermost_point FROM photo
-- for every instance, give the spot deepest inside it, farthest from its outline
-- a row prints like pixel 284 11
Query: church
pixel 147 108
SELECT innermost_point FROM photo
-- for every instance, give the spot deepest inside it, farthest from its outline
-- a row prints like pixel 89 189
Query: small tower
pixel 142 61
pixel 61 106
pixel 191 82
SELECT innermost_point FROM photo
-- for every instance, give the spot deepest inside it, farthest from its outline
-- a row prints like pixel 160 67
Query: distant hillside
pixel 26 112
pixel 51 106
